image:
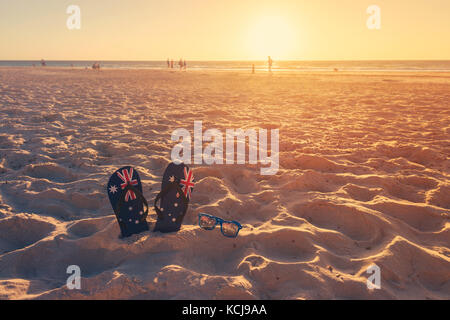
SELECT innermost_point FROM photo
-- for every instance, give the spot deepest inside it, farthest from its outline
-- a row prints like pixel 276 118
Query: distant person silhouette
pixel 180 63
pixel 168 63
pixel 270 61
pixel 184 64
pixel 43 63
pixel 171 64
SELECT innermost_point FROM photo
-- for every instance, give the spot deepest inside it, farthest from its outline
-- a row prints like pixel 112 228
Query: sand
pixel 363 179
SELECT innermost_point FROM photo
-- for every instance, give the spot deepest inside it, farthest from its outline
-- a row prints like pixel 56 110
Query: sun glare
pixel 271 36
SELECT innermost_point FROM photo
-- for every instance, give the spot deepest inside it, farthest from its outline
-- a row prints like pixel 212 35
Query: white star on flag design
pixel 113 189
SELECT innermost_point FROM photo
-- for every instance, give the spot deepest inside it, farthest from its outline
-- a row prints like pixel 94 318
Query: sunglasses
pixel 229 229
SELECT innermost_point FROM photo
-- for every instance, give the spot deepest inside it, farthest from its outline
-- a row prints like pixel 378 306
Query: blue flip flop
pixel 176 188
pixel 125 194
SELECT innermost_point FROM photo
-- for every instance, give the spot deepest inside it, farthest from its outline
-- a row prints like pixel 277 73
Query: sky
pixel 225 30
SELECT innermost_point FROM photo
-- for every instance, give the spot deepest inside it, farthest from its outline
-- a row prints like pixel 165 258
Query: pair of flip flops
pixel 131 208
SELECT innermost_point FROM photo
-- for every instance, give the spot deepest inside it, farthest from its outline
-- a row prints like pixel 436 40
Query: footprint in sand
pixel 20 231
pixel 50 171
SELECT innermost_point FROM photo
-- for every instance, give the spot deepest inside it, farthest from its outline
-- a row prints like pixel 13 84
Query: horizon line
pixel 227 60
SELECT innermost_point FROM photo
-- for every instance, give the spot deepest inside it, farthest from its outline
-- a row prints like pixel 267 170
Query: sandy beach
pixel 364 178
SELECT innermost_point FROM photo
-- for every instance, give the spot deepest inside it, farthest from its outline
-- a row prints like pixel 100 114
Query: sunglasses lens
pixel 207 223
pixel 230 229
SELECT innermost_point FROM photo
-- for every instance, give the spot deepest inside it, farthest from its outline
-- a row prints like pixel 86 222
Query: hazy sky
pixel 224 30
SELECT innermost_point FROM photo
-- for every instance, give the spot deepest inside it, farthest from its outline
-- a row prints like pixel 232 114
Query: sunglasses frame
pixel 219 221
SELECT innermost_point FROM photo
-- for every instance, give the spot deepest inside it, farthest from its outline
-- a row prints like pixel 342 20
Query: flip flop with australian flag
pixel 125 194
pixel 176 188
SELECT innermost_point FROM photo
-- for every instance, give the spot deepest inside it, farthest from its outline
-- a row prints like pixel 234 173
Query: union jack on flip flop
pixel 187 182
pixel 127 178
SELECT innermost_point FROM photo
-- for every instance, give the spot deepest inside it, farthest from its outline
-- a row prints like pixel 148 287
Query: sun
pixel 271 36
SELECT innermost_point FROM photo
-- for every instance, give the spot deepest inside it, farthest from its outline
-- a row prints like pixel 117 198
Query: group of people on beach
pixel 182 64
pixel 96 66
pixel 170 64
pixel 269 64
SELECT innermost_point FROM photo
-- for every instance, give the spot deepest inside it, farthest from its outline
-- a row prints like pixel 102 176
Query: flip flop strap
pixel 122 199
pixel 166 190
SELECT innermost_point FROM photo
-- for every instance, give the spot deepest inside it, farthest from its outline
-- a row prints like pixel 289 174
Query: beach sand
pixel 363 179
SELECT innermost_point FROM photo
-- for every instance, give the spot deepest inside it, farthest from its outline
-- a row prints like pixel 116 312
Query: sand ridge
pixel 363 179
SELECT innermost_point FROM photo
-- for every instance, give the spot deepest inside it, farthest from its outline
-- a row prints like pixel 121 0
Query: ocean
pixel 393 66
